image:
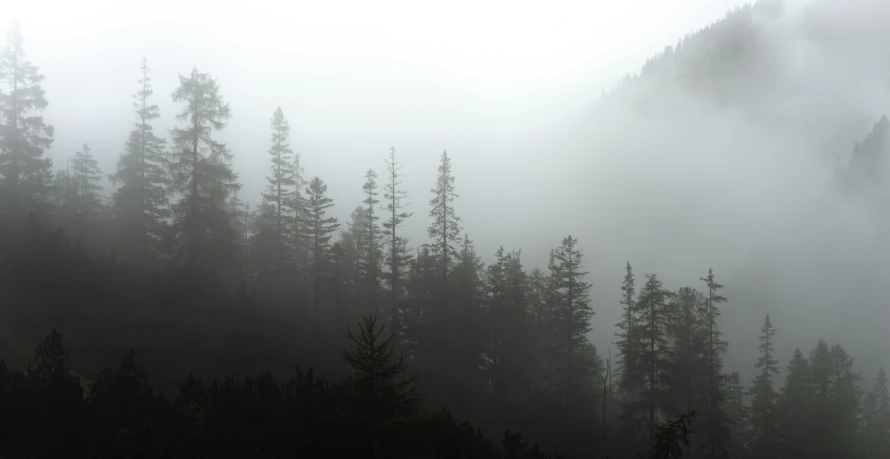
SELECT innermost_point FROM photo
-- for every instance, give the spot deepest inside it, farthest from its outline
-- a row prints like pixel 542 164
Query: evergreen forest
pixel 172 316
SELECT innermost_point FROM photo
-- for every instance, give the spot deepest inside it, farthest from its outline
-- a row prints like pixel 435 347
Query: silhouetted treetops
pixel 176 266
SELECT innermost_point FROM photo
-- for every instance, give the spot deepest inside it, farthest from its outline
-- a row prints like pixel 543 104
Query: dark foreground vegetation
pixel 217 297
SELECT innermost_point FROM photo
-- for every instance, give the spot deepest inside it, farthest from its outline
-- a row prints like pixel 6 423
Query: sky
pixel 734 174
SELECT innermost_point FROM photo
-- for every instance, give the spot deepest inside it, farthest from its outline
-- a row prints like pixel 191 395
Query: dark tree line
pixel 177 266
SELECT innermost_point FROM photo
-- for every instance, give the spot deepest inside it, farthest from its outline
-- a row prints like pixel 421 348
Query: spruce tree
pixel 688 362
pixel 279 190
pixel 372 251
pixel 299 216
pixel 140 204
pixel 655 314
pixel 398 256
pixel 876 428
pixel 716 347
pixel 202 175
pixel 796 430
pixel 629 339
pixel 445 229
pixel 25 173
pixel 317 231
pixel 85 203
pixel 567 354
pixel 764 412
pixel 510 340
pixel 739 418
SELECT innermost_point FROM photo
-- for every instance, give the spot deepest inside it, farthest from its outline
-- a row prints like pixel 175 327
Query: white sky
pixel 489 45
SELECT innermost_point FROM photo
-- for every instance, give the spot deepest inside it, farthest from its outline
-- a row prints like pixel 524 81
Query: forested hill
pixel 728 141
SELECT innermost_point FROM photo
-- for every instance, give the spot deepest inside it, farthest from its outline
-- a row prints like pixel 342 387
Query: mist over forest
pixel 584 259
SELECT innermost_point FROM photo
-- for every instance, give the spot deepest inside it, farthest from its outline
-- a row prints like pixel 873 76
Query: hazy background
pixel 734 173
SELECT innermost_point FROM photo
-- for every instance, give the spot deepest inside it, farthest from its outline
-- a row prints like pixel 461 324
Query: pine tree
pixel 317 232
pixel 764 412
pixel 85 203
pixel 202 174
pixel 372 251
pixel 567 355
pixel 629 339
pixel 445 229
pixel 25 174
pixel 688 362
pixel 299 216
pixel 739 418
pixel 398 256
pixel 716 347
pixel 795 430
pixel 510 340
pixel 140 204
pixel 377 382
pixel 279 192
pixel 876 427
pixel 655 315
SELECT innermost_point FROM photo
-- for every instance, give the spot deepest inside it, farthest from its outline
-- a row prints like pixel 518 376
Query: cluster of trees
pixel 176 265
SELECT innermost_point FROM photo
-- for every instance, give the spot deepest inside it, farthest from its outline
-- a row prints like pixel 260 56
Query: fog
pixel 736 174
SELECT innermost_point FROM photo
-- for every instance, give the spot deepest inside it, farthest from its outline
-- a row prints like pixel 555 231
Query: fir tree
pixel 629 339
pixel 25 174
pixel 372 251
pixel 739 418
pixel 85 203
pixel 764 414
pixel 140 203
pixel 279 191
pixel 688 358
pixel 318 231
pixel 876 427
pixel 795 430
pixel 570 322
pixel 381 391
pixel 201 174
pixel 655 315
pixel 398 256
pixel 445 229
pixel 716 347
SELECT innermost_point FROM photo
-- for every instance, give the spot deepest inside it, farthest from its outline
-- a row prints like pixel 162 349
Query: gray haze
pixel 737 176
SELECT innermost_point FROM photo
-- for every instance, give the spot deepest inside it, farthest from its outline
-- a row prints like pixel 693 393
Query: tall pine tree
pixel 445 229
pixel 317 232
pixel 25 173
pixel 398 256
pixel 279 190
pixel 202 175
pixel 764 412
pixel 140 204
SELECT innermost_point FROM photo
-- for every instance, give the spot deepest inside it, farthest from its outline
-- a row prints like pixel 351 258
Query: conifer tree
pixel 738 415
pixel 655 314
pixel 876 427
pixel 281 182
pixel 140 203
pixel 398 256
pixel 715 419
pixel 764 413
pixel 85 203
pixel 25 173
pixel 317 232
pixel 629 339
pixel 377 382
pixel 201 174
pixel 510 344
pixel 299 215
pixel 568 355
pixel 372 251
pixel 795 429
pixel 688 358
pixel 445 229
